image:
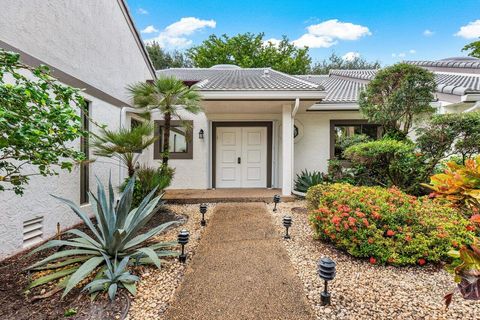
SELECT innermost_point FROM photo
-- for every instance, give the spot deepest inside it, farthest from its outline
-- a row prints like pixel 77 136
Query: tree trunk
pixel 166 138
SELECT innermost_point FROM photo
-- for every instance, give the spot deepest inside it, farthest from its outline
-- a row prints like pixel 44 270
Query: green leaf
pixel 83 271
pixel 62 254
pixel 152 255
pixel 51 276
pixel 131 287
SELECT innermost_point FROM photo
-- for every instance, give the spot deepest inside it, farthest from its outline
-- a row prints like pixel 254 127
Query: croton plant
pixel 461 185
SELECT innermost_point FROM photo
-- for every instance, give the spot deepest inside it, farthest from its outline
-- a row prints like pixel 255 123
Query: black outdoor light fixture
pixel 326 272
pixel 276 199
pixel 203 210
pixel 287 223
pixel 183 240
pixel 200 134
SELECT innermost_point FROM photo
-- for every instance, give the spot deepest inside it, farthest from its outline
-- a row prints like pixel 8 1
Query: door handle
pixel 239 160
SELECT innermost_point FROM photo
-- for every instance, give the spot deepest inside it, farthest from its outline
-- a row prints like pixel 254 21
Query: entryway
pixel 242 155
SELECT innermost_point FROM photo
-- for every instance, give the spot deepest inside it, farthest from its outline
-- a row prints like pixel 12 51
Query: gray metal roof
pixel 228 77
pixel 345 85
pixel 454 62
pixel 339 89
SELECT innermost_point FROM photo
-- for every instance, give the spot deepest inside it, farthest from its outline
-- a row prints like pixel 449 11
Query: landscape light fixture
pixel 200 134
pixel 287 223
pixel 326 272
pixel 183 240
pixel 276 199
pixel 203 210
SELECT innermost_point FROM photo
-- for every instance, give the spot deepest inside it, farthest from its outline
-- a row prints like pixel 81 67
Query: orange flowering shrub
pixel 386 226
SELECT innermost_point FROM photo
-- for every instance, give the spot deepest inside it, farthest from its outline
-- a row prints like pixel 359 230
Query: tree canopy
pixel 474 49
pixel 396 96
pixel 162 59
pixel 250 50
pixel 337 62
pixel 38 121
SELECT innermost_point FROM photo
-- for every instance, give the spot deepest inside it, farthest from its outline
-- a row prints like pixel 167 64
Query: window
pixel 340 129
pixel 181 139
pixel 84 166
pixel 134 123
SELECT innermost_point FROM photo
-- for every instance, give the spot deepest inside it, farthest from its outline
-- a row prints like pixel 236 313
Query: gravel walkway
pixel 241 270
pixel 364 291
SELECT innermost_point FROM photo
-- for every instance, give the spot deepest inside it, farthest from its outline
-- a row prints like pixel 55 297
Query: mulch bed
pixel 18 305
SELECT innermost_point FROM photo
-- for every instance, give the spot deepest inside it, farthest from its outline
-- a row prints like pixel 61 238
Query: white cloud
pixel 428 33
pixel 350 56
pixel 327 34
pixel 470 31
pixel 412 51
pixel 174 35
pixel 142 11
pixel 399 55
pixel 311 41
pixel 149 29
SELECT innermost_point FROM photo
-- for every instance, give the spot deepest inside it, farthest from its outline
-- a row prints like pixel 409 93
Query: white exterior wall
pixel 88 39
pixel 92 42
pixel 312 151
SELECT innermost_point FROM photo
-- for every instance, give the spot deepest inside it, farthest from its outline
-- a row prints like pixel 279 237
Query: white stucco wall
pixel 88 39
pixel 91 41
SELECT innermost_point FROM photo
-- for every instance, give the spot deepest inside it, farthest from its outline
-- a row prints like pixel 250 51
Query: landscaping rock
pixel 364 291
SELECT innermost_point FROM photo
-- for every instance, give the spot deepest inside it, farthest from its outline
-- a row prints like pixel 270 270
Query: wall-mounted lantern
pixel 200 134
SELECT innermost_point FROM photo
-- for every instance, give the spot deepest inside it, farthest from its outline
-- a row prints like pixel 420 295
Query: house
pixel 261 127
pixel 94 47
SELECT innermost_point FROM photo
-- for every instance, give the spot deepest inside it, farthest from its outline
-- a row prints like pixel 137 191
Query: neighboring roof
pixel 229 77
pixel 454 62
pixel 339 90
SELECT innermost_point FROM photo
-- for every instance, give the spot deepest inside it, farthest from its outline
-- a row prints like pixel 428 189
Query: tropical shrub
pixel 388 163
pixel 148 179
pixel 397 96
pixel 387 226
pixel 114 236
pixel 459 184
pixel 124 144
pixel 307 179
pixel 39 119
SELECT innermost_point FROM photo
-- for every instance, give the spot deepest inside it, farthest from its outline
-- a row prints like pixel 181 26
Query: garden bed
pixel 156 287
pixel 365 291
pixel 18 305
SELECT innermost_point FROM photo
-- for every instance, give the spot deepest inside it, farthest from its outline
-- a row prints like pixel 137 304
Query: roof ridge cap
pixel 297 79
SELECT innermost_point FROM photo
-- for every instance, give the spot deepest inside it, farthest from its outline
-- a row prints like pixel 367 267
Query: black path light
pixel 183 240
pixel 326 272
pixel 276 199
pixel 287 223
pixel 203 210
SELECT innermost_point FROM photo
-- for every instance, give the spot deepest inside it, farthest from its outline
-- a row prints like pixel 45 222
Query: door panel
pixel 229 148
pixel 241 157
pixel 254 157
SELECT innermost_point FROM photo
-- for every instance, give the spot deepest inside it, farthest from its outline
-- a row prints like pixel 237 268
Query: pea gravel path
pixel 241 270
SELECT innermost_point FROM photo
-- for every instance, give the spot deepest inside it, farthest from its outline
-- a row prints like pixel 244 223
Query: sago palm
pixel 169 95
pixel 124 144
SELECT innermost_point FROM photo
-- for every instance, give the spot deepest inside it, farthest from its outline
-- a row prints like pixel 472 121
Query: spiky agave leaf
pixel 116 234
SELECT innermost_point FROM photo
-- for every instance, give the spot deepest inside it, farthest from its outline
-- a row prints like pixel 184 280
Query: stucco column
pixel 287 149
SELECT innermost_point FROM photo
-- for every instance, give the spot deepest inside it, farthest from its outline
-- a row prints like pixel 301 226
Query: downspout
pixel 294 113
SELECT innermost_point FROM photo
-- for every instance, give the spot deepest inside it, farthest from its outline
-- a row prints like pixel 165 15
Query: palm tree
pixel 168 95
pixel 124 144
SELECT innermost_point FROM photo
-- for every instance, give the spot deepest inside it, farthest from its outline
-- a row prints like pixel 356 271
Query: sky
pixel 387 31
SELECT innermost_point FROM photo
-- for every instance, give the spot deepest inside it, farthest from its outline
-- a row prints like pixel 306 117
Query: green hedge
pixel 387 226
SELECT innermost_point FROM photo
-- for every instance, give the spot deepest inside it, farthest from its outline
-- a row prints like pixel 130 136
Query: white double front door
pixel 241 157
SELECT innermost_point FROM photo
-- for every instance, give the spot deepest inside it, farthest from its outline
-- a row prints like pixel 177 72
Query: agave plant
pixel 115 235
pixel 307 179
pixel 116 276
